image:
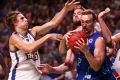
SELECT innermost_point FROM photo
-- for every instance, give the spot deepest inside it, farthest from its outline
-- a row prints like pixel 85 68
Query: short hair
pixel 10 17
pixel 79 7
pixel 89 11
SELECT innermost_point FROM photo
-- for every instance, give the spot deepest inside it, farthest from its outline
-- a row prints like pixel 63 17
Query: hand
pixel 70 5
pixel 101 14
pixel 67 36
pixel 82 45
pixel 54 36
pixel 45 68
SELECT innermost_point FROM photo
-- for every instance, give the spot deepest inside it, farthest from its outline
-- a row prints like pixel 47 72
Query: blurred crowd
pixel 39 12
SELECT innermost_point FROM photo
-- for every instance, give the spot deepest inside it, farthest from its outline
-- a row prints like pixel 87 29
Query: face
pixel 21 22
pixel 77 15
pixel 87 23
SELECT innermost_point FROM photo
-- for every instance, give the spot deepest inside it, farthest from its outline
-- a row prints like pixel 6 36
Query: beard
pixel 76 24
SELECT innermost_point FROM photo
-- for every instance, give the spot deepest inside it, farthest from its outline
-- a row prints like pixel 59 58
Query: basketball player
pixel 113 45
pixel 92 62
pixel 76 21
pixel 23 46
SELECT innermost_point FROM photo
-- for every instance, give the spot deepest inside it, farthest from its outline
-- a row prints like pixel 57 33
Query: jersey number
pixel 32 56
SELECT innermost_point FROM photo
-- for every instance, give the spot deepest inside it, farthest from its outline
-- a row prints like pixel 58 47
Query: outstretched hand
pixel 101 14
pixel 55 36
pixel 45 68
pixel 70 5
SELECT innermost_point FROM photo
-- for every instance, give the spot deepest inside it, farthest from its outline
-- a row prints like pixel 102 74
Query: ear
pixel 95 22
pixel 14 22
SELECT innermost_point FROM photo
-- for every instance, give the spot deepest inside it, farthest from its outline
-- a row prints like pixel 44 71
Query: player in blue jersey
pixel 92 62
pixel 112 45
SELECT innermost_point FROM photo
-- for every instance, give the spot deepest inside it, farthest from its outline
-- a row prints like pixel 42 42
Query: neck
pixel 21 32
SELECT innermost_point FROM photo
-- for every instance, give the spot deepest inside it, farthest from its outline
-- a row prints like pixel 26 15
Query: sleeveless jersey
pixel 85 72
pixel 24 66
pixel 116 65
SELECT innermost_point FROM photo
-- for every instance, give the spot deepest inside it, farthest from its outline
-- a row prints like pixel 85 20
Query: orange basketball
pixel 75 37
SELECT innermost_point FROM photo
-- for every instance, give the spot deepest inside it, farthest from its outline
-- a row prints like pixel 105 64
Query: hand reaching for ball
pixel 82 45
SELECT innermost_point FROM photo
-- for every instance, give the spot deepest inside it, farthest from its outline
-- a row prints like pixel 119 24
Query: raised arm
pixel 104 29
pixel 17 43
pixel 56 20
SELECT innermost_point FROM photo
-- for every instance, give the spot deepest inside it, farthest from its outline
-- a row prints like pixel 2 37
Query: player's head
pixel 88 19
pixel 77 14
pixel 15 19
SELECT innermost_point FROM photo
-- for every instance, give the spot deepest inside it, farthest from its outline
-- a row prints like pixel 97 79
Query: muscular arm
pixel 16 42
pixel 45 68
pixel 97 59
pixel 60 69
pixel 62 47
pixel 116 37
pixel 104 29
pixel 56 20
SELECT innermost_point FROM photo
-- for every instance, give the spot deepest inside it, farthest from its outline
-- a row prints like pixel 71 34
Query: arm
pixel 97 58
pixel 104 29
pixel 45 68
pixel 116 37
pixel 16 41
pixel 70 56
pixel 56 20
pixel 62 47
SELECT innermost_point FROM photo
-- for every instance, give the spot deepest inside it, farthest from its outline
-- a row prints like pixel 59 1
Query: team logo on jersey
pixel 90 40
pixel 32 56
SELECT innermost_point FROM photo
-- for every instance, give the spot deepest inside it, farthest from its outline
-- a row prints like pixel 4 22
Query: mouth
pixel 86 31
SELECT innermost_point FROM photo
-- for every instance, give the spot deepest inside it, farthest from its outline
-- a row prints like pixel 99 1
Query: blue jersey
pixel 85 72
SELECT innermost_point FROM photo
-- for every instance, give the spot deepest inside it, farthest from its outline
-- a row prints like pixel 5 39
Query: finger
pixel 83 40
pixel 76 3
pixel 42 64
pixel 79 43
pixel 68 36
pixel 87 42
pixel 107 10
pixel 72 1
pixel 67 2
pixel 77 47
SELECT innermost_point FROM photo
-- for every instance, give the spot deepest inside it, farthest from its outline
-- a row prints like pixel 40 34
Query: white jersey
pixel 24 66
pixel 116 64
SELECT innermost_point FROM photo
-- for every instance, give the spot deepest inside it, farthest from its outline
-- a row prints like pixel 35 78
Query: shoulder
pixel 33 31
pixel 116 37
pixel 100 41
pixel 13 38
pixel 12 42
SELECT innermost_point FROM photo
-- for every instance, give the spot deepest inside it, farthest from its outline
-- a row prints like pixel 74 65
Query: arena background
pixel 39 12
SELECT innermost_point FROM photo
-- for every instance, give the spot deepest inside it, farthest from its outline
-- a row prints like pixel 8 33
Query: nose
pixel 25 19
pixel 84 24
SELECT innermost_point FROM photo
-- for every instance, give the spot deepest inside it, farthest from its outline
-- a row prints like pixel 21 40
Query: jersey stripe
pixel 14 70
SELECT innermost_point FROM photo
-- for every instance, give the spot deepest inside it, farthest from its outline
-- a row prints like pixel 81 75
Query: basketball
pixel 75 36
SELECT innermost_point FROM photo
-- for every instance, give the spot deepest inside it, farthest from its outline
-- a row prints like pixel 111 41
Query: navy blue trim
pixel 14 70
pixel 32 34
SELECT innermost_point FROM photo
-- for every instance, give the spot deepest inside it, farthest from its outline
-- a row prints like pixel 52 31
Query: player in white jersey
pixel 23 47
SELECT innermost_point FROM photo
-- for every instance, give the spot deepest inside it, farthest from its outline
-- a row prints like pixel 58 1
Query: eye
pixel 79 13
pixel 22 18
